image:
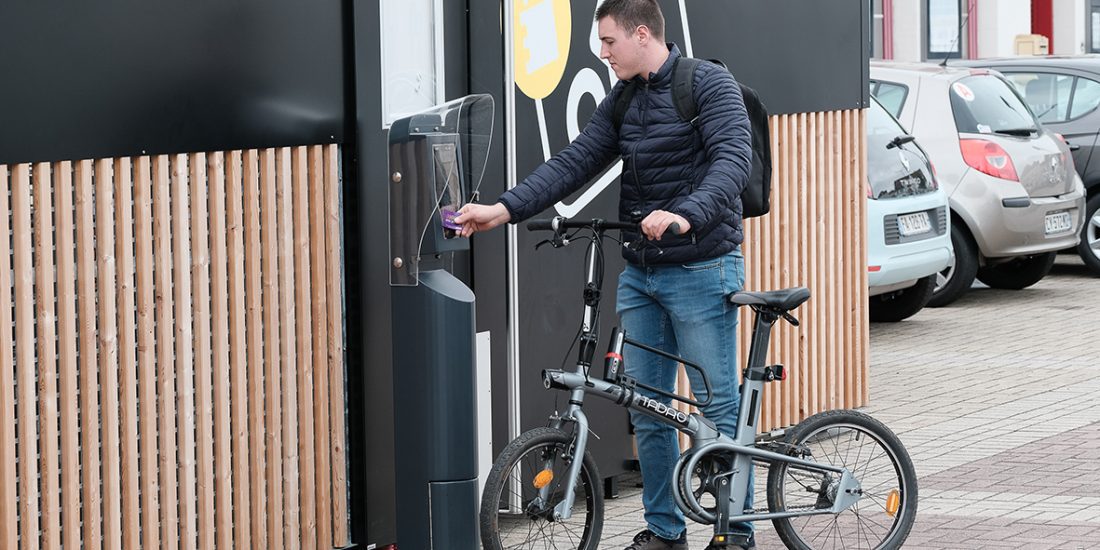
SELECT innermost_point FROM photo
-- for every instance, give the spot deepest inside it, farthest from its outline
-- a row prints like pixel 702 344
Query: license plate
pixel 914 224
pixel 1058 222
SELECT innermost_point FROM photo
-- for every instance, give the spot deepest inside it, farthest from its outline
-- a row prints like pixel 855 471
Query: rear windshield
pixel 985 104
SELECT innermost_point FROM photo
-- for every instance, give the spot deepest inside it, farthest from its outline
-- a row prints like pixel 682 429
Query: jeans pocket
pixel 703 265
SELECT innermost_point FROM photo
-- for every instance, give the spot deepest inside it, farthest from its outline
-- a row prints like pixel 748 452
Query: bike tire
pixel 502 530
pixel 829 437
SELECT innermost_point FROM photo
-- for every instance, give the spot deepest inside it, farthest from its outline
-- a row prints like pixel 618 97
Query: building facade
pixel 922 30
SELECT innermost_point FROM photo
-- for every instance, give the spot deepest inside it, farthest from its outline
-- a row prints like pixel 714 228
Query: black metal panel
pixel 488 250
pixel 117 78
pixel 765 43
pixel 371 442
pixel 801 56
pixel 370 352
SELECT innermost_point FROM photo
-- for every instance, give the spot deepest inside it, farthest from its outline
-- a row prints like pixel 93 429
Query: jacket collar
pixel 666 68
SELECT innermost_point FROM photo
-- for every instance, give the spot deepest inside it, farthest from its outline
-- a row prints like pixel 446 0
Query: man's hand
pixel 656 223
pixel 481 217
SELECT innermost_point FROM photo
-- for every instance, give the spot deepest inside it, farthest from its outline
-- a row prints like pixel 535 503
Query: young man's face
pixel 621 48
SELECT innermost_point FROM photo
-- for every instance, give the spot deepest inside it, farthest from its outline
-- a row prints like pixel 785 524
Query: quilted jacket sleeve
pixel 583 159
pixel 724 126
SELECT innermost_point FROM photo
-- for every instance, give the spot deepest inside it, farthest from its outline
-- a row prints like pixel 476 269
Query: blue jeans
pixel 680 309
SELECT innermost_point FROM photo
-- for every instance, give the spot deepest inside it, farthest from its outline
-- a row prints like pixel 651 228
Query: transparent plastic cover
pixel 437 159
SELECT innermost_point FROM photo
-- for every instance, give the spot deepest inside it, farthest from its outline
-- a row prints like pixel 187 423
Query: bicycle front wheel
pixel 884 514
pixel 527 482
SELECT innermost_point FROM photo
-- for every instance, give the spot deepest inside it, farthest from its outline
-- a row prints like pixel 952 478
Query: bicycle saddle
pixel 783 300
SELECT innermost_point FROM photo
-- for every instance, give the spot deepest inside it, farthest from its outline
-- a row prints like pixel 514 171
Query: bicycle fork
pixel 564 509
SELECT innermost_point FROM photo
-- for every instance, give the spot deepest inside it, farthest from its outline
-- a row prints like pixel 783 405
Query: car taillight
pixel 988 157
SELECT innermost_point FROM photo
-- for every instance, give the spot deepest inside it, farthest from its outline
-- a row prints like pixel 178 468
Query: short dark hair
pixel 631 14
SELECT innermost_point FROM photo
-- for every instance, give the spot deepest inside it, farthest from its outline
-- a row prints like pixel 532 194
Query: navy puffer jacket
pixel 668 164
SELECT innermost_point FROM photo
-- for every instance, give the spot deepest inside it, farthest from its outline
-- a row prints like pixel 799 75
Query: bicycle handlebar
pixel 561 224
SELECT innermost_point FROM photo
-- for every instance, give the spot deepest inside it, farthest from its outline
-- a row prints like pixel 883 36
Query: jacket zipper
pixel 634 157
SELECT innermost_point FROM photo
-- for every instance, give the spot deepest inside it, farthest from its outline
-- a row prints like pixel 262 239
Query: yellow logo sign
pixel 541 44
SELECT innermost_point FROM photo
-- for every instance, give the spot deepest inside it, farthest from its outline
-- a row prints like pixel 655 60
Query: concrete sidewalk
pixel 997 398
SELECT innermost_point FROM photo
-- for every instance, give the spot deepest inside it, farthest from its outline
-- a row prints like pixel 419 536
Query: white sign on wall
pixel 412 57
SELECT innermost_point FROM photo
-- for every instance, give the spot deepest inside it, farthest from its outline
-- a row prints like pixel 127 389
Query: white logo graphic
pixel 542 35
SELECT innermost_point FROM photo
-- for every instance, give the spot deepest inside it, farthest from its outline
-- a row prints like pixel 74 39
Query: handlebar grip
pixel 673 228
pixel 539 225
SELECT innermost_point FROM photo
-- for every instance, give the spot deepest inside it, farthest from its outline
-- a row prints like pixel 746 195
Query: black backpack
pixel 756 198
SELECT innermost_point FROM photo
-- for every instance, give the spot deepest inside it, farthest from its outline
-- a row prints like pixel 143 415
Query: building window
pixel 1093 29
pixel 945 29
pixel 877 20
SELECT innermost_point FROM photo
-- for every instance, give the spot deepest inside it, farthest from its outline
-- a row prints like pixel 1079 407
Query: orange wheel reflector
pixel 893 502
pixel 543 478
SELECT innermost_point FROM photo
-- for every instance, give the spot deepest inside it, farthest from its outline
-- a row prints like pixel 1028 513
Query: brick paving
pixel 997 398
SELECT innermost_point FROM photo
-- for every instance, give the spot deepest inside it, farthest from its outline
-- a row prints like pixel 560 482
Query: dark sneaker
pixel 647 540
pixel 734 542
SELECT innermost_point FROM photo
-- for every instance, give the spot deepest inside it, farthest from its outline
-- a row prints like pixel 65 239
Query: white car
pixel 908 226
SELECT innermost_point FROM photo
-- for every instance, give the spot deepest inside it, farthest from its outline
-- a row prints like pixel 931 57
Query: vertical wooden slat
pixel 254 324
pixel 335 321
pixel 287 352
pixel 307 464
pixel 166 368
pixel 813 279
pixel 106 265
pixel 786 261
pixel 127 353
pixel 46 337
pixel 805 229
pixel 24 356
pixel 184 364
pixel 835 245
pixel 238 361
pixel 319 301
pixel 866 332
pixel 269 229
pixel 219 301
pixel 204 405
pixel 66 348
pixel 848 227
pixel 9 528
pixel 92 496
pixel 146 353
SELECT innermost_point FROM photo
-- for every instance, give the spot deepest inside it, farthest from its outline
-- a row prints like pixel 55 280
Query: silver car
pixel 1015 197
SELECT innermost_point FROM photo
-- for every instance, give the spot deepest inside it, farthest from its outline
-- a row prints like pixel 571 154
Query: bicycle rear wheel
pixel 884 514
pixel 513 515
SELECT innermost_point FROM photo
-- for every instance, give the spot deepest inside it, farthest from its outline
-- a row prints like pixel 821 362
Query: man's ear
pixel 643 34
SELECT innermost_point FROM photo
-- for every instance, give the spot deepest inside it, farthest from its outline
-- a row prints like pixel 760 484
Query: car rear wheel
pixel 903 304
pixel 1017 273
pixel 955 280
pixel 1089 247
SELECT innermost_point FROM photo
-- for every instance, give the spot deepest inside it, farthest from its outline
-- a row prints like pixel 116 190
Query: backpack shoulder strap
pixel 683 88
pixel 622 104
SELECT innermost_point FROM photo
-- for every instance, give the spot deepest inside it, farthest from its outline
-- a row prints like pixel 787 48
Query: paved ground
pixel 997 398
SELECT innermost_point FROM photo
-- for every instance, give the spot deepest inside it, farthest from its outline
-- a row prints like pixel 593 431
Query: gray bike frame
pixel 704 435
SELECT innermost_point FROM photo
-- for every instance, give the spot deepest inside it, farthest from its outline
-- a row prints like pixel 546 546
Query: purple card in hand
pixel 448 214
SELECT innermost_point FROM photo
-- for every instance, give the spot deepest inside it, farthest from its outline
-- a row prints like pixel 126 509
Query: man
pixel 671 294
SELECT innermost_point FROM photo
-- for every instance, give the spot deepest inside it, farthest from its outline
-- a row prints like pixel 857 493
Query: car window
pixel 1086 97
pixel 881 124
pixel 1047 94
pixel 892 96
pixel 984 104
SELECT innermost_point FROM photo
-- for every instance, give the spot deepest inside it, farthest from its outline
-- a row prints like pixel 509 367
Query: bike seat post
pixel 752 385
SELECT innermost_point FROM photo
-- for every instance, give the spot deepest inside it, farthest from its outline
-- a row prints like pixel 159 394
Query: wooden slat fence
pixel 813 237
pixel 172 352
